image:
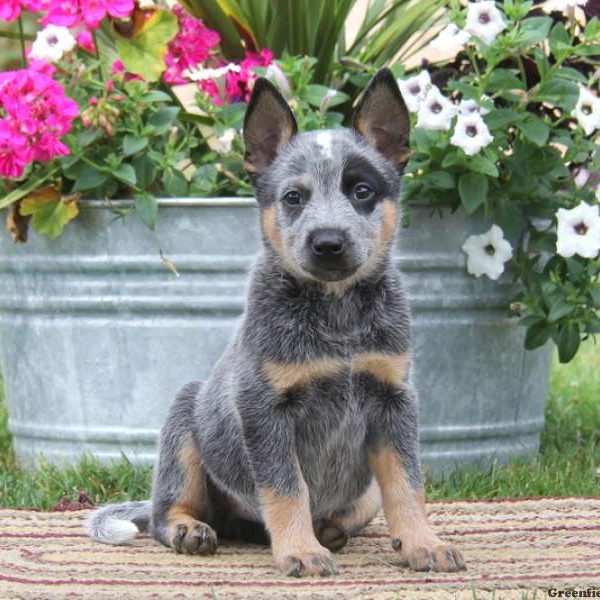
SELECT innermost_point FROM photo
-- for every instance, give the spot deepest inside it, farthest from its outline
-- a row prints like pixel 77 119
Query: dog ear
pixel 268 126
pixel 381 117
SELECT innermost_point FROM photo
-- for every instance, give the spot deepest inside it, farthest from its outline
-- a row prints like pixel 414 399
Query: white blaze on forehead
pixel 324 141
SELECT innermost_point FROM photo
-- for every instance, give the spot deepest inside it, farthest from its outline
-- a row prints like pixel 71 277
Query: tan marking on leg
pixel 404 508
pixel 361 511
pixel 295 548
pixel 193 489
pixel 284 376
pixel 389 368
pixel 188 534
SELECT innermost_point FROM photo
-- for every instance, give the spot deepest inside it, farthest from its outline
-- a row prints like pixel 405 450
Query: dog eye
pixel 363 192
pixel 292 198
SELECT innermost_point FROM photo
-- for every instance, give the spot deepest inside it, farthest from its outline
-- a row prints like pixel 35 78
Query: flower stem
pixel 24 190
pixel 11 35
pixel 22 38
pixel 100 66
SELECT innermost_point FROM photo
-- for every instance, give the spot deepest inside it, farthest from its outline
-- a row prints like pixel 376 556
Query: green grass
pixel 568 463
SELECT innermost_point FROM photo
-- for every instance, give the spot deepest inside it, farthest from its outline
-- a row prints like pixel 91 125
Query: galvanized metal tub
pixel 97 334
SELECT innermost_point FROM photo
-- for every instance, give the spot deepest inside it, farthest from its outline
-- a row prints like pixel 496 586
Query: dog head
pixel 328 198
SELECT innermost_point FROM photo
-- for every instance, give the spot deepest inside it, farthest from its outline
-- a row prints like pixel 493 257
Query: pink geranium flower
pixel 15 152
pixel 35 113
pixel 85 41
pixel 12 9
pixel 70 13
pixel 190 47
pixel 237 84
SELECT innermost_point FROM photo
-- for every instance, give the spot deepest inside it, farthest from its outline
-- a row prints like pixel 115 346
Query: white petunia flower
pixel 487 253
pixel 484 20
pixel 224 141
pixel 470 106
pixel 598 192
pixel 201 74
pixel 451 40
pixel 414 89
pixel 587 110
pixel 52 43
pixel 580 177
pixel 578 231
pixel 563 5
pixel 435 111
pixel 471 134
pixel 146 4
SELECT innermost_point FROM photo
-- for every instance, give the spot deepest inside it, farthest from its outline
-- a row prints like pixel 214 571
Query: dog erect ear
pixel 381 117
pixel 269 125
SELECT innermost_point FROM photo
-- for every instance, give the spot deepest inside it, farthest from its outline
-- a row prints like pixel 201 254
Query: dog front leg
pixel 394 459
pixel 285 501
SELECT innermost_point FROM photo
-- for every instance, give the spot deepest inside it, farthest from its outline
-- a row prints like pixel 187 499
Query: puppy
pixel 308 422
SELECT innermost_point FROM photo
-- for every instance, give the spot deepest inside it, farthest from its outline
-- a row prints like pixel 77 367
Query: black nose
pixel 328 243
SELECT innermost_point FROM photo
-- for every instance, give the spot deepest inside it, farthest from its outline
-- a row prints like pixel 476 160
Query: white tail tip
pixel 113 531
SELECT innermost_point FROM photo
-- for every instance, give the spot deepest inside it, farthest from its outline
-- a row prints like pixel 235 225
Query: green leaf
pixel 87 136
pixel 501 118
pixel 156 96
pixel 50 212
pixel 537 335
pixel 145 171
pixel 561 308
pixel 175 183
pixel 481 164
pixel 204 181
pixel 560 41
pixel 534 128
pixel 163 119
pixel 144 52
pixel 453 159
pixel 501 80
pixel 472 188
pixel 132 144
pixel 89 179
pixel 147 209
pixel 440 180
pixel 534 30
pixel 568 342
pixel 126 174
pixel 315 95
pixel 558 91
pixel 590 50
pixel 510 218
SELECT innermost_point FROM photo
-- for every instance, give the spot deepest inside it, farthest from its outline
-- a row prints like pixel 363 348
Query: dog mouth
pixel 331 274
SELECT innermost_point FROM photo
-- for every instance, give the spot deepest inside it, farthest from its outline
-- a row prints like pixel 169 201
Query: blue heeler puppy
pixel 308 423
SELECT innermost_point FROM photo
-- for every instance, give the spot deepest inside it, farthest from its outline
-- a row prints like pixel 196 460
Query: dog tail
pixel 119 523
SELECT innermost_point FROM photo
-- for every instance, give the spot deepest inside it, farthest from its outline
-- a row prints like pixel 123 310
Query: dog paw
pixel 332 538
pixel 309 563
pixel 443 558
pixel 196 538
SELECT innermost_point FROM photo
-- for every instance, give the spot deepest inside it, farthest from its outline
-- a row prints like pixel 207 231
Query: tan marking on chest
pixel 389 368
pixel 284 376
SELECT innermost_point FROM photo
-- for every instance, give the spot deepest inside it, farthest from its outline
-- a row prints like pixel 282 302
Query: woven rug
pixel 512 547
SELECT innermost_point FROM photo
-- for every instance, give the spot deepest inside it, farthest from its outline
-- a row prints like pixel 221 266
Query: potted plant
pixel 132 173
